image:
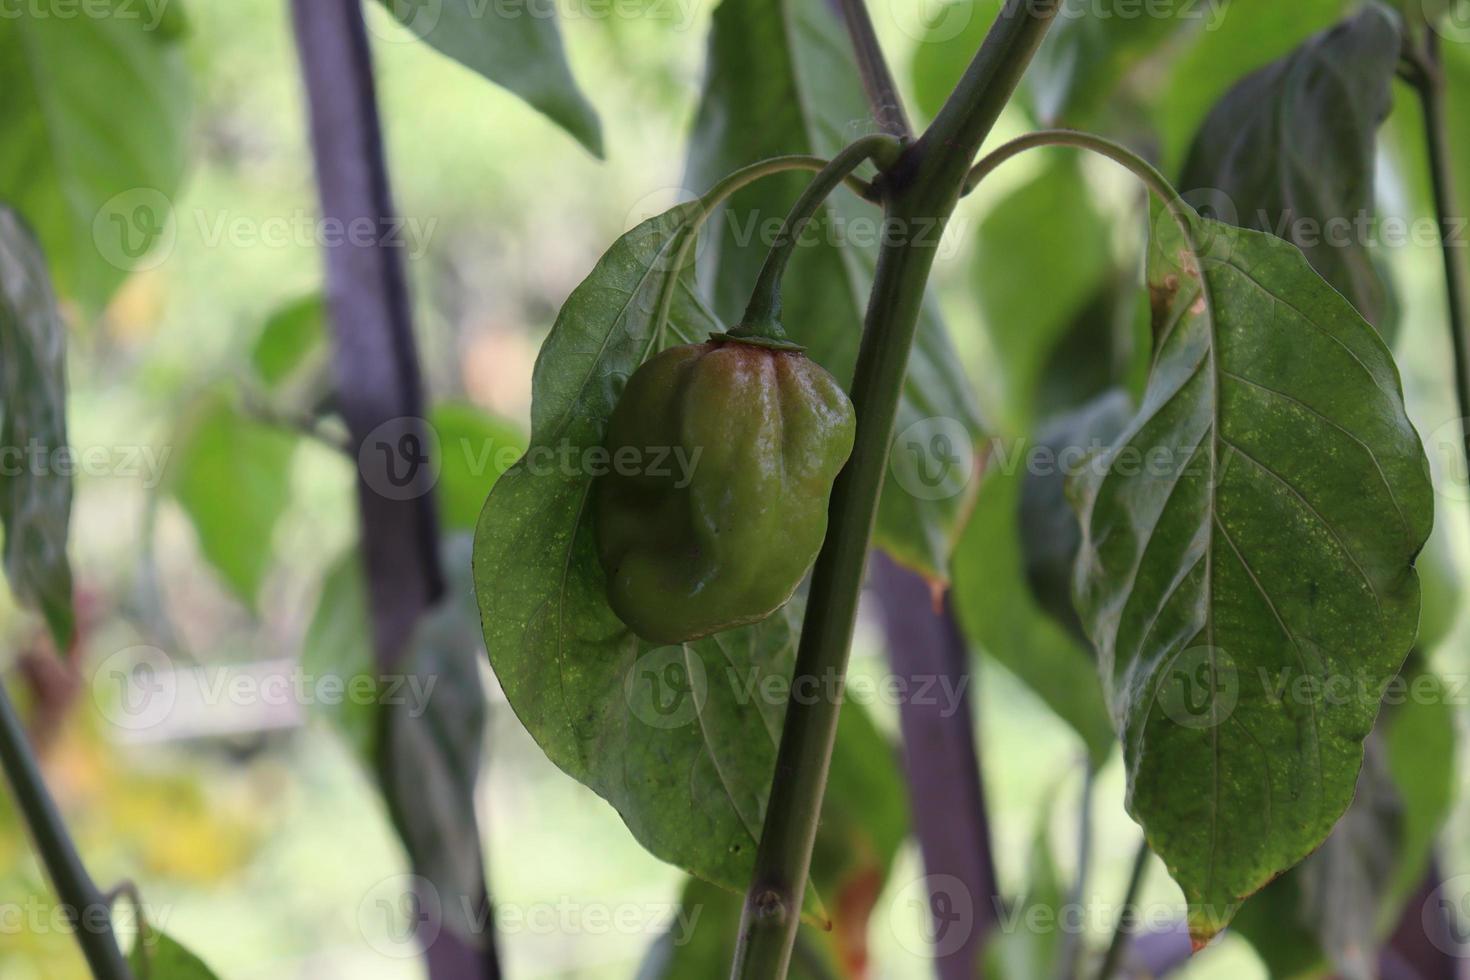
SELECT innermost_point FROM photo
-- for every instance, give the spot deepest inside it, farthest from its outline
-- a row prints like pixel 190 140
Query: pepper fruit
pixel 737 444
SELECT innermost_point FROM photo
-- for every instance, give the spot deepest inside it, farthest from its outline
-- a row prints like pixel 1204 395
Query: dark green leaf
pixel 93 139
pixel 1041 255
pixel 156 956
pixel 513 46
pixel 1257 522
pixel 1246 37
pixel 1291 150
pixel 35 495
pixel 781 79
pixel 232 476
pixel 475 447
pixel 680 740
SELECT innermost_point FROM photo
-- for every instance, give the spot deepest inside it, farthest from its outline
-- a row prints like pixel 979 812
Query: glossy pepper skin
pixel 722 533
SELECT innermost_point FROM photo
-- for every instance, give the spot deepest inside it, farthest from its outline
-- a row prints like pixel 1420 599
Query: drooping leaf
pixel 232 476
pixel 1291 150
pixel 1240 558
pixel 1041 255
pixel 475 447
pixel 513 46
pixel 1242 38
pixel 35 493
pixel 157 956
pixel 680 740
pixel 93 138
pixel 995 592
pixel 781 79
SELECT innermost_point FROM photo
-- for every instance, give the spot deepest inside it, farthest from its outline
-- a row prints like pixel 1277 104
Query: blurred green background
pixel 258 849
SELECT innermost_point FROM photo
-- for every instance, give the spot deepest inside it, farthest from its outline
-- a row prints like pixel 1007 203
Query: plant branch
pixel 85 906
pixel 763 314
pixel 1071 949
pixel 1126 915
pixel 922 190
pixel 1426 75
pixel 882 92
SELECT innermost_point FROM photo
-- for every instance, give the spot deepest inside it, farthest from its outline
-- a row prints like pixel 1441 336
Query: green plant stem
pixel 921 190
pixel 883 97
pixel 84 904
pixel 763 313
pixel 1124 929
pixel 1428 80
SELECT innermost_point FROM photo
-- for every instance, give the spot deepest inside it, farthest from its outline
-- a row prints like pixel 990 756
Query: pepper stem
pixel 762 315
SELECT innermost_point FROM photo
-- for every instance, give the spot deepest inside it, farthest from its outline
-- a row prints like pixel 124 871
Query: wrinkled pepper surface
pixel 714 527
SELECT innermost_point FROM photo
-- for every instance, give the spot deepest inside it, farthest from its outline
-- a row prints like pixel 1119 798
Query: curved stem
pixel 764 310
pixel 1427 78
pixel 920 192
pixel 1126 915
pixel 1116 152
pixel 85 906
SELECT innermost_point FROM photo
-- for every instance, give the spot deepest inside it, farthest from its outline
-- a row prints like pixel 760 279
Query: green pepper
pixel 714 505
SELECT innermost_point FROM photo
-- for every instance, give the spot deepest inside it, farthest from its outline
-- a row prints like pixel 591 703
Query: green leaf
pixel 781 79
pixel 1244 39
pixel 515 47
pixel 680 740
pixel 995 590
pixel 339 645
pixel 1041 255
pixel 157 956
pixel 232 476
pixel 1345 899
pixel 1016 951
pixel 1275 539
pixel 35 496
pixel 289 339
pixel 1291 150
pixel 475 447
pixel 93 139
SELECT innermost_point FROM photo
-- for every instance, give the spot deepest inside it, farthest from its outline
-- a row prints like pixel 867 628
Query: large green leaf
pixel 1258 520
pixel 93 138
pixel 1020 239
pixel 680 740
pixel 232 476
pixel 1291 150
pixel 782 79
pixel 35 489
pixel 516 46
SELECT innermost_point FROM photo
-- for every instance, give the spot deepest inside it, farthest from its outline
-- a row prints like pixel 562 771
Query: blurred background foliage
pixel 257 842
